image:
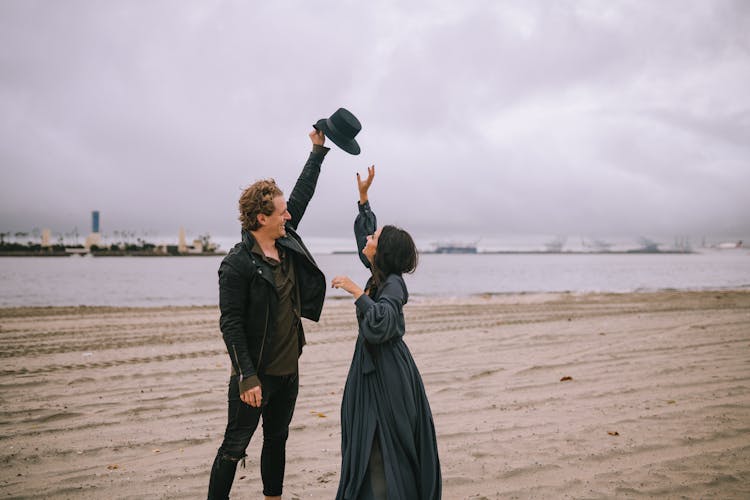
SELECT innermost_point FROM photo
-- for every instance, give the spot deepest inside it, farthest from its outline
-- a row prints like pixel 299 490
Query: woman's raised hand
pixel 363 186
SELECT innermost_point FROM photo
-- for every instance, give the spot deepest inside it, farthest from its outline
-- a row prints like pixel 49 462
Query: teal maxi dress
pixel 388 444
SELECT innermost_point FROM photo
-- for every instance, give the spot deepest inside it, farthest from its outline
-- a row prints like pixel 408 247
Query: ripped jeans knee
pixel 228 457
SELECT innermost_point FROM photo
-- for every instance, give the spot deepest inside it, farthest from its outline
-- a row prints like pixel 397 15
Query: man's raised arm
pixel 305 188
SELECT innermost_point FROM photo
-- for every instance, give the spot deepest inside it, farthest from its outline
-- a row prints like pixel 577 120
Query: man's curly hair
pixel 257 199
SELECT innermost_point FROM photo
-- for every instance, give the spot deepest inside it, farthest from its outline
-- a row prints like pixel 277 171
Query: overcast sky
pixel 483 118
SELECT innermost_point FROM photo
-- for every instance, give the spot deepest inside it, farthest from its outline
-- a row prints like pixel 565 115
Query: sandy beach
pixel 534 396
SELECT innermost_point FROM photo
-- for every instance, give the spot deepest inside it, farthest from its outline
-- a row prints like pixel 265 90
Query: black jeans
pixel 279 398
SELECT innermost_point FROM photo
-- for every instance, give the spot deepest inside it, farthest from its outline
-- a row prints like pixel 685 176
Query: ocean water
pixel 159 281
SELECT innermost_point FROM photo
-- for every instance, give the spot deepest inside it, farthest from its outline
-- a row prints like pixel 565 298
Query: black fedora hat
pixel 341 128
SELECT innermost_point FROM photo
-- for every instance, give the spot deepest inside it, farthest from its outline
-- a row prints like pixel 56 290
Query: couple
pixel 266 284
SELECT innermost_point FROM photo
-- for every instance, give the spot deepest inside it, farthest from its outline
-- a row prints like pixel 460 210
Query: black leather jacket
pixel 248 299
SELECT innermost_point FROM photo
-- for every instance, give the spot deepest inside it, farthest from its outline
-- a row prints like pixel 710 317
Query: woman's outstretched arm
pixel 383 318
pixel 366 223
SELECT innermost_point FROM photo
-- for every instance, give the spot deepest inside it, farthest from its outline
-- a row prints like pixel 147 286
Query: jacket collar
pixel 261 267
pixel 249 242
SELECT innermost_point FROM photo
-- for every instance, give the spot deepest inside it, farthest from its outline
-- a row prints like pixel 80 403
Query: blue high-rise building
pixel 95 221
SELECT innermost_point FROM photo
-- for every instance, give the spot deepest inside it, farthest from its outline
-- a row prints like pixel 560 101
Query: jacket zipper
pixel 237 360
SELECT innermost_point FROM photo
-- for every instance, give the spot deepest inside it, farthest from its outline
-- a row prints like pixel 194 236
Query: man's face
pixel 274 225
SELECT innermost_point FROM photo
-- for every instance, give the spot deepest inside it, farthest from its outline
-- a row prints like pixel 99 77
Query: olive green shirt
pixel 283 356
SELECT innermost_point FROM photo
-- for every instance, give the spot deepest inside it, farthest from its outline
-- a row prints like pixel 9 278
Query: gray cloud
pixel 486 118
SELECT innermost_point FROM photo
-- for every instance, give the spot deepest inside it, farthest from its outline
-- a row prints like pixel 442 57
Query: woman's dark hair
pixel 396 254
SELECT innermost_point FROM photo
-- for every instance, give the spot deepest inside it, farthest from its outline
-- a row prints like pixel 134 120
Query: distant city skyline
pixel 484 119
pixel 487 242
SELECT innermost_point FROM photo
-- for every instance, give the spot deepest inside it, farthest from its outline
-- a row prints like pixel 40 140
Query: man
pixel 266 284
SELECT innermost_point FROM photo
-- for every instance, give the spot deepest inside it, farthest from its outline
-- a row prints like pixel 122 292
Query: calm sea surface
pixel 157 281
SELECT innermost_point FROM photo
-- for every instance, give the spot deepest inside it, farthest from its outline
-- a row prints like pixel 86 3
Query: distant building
pixel 197 247
pixel 45 238
pixel 94 239
pixel 182 243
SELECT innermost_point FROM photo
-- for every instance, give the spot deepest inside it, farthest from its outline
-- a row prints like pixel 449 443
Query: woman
pixel 388 447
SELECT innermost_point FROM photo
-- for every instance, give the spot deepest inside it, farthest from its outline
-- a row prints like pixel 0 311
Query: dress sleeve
pixel 364 225
pixel 383 319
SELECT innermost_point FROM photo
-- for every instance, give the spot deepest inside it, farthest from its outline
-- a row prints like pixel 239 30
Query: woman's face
pixel 371 246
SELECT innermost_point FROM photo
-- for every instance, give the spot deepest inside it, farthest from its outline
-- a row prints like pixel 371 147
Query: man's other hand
pixel 253 396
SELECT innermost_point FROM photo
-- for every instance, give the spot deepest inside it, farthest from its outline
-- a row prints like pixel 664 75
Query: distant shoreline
pixel 539 252
pixel 124 253
pixel 220 254
pixel 109 254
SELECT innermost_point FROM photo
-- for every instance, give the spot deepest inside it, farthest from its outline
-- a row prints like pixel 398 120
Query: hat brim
pixel 348 145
